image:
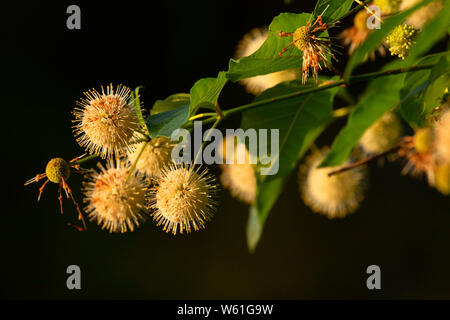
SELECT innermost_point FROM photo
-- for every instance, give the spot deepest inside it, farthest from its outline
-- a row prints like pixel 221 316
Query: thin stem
pixel 365 161
pixel 352 80
pixel 85 159
pixel 136 160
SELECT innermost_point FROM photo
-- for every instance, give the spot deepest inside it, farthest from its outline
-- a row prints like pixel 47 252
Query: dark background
pixel 167 46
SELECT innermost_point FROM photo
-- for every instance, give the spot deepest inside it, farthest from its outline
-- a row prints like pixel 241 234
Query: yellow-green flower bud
pixel 57 169
pixel 301 38
pixel 401 39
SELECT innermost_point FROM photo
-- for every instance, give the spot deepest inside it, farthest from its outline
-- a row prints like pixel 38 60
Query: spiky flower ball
pixel 116 198
pixel 106 122
pixel 424 14
pixel 155 156
pixel 57 170
pixel 388 7
pixel 382 135
pixel 183 199
pixel 335 196
pixel 401 39
pixel 238 174
pixel 251 42
pixel 442 134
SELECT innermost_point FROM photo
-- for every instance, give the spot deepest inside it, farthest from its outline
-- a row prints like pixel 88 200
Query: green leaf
pixel 434 93
pixel 410 108
pixel 300 120
pixel 376 37
pixel 137 104
pixel 266 59
pixel 164 123
pixel 174 101
pixel 334 9
pixel 381 96
pixel 206 91
pixel 423 90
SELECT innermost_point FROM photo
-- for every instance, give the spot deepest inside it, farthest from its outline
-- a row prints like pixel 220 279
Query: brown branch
pixel 364 161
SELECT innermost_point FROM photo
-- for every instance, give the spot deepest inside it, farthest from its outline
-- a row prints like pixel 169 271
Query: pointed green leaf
pixel 300 120
pixel 423 90
pixel 137 104
pixel 206 91
pixel 382 95
pixel 432 32
pixel 334 9
pixel 171 102
pixel 164 123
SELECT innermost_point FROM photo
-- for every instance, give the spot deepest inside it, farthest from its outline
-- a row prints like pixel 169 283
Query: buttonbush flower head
pixel 384 134
pixel 251 42
pixel 442 133
pixel 231 150
pixel 183 198
pixel 58 171
pixel 358 33
pixel 106 122
pixel 401 39
pixel 240 180
pixel 443 178
pixel 316 48
pixel 116 198
pixel 155 156
pixel 423 15
pixel 238 174
pixel 388 7
pixel 418 151
pixel 335 196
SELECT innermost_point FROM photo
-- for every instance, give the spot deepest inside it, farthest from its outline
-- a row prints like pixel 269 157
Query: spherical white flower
pixel 382 135
pixel 106 122
pixel 238 174
pixel 183 198
pixel 155 156
pixel 116 199
pixel 442 134
pixel 335 196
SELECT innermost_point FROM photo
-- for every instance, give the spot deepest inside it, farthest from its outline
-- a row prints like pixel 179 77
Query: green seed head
pixel 401 39
pixel 423 139
pixel 301 38
pixel 57 169
pixel 443 179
